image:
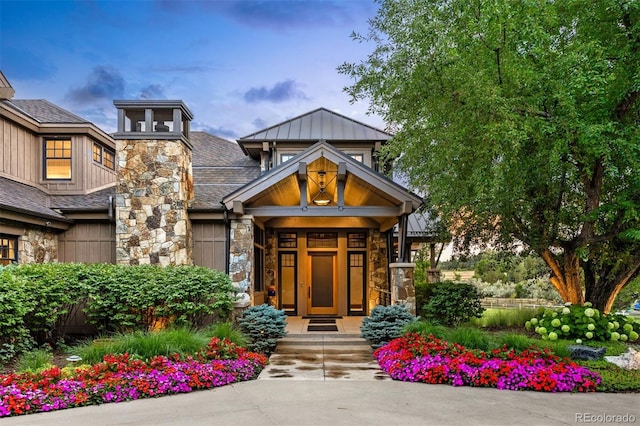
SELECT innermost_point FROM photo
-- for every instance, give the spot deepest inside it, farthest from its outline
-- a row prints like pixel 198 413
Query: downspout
pixel 227 240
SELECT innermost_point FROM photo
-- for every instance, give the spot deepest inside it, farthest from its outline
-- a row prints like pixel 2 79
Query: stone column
pixel 377 265
pixel 241 254
pixel 154 188
pixel 403 291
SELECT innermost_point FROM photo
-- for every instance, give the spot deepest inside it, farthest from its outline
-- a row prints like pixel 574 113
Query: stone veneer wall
pixel 403 290
pixel 37 246
pixel 155 186
pixel 241 254
pixel 378 288
pixel 270 259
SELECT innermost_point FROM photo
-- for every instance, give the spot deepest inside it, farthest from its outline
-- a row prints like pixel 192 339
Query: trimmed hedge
pixel 37 300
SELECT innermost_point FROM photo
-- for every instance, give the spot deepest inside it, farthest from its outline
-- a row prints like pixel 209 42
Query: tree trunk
pixel 565 276
pixel 603 285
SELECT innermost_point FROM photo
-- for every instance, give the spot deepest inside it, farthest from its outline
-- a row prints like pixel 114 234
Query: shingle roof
pixel 219 168
pixel 44 111
pixel 25 198
pixel 320 124
pixel 210 150
pixel 98 200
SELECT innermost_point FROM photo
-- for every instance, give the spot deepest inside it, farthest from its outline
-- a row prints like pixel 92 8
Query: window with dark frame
pixel 8 249
pixel 109 159
pixel 287 240
pixel 322 240
pixel 57 159
pixel 104 156
pixel 357 240
pixel 97 153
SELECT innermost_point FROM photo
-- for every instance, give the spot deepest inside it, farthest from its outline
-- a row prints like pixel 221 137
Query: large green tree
pixel 520 120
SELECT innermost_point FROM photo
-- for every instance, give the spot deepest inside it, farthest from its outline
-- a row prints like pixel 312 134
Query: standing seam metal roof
pixel 320 124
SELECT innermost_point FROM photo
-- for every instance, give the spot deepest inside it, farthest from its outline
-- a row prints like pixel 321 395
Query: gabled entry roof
pixel 356 190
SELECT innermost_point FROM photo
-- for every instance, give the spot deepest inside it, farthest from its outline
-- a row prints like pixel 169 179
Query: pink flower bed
pixel 414 358
pixel 120 378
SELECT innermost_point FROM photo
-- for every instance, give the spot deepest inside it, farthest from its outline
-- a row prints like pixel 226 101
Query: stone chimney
pixel 155 183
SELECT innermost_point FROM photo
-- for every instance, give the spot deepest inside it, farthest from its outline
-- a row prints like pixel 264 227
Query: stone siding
pixel 241 254
pixel 155 187
pixel 378 280
pixel 403 291
pixel 37 246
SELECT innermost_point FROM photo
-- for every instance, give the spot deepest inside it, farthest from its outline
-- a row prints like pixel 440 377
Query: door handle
pixel 309 293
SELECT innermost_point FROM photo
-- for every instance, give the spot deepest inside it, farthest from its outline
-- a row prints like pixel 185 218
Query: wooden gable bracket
pixel 302 183
pixel 342 178
pixel 238 208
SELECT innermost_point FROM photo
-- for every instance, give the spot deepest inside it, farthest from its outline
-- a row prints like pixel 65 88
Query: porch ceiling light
pixel 321 198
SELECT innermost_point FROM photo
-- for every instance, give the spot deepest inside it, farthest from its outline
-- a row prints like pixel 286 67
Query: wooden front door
pixel 322 285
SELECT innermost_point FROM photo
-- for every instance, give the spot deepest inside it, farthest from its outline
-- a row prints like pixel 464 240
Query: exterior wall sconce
pixel 322 198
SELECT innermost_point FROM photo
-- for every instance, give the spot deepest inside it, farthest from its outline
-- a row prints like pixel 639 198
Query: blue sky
pixel 239 65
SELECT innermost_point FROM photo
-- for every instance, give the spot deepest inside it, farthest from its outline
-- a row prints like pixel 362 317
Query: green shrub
pixel 426 329
pixel 264 325
pixel 583 323
pixel 470 337
pixel 38 300
pixel 453 304
pixel 385 323
pixel 124 298
pixel 230 331
pixel 34 361
pixel 15 303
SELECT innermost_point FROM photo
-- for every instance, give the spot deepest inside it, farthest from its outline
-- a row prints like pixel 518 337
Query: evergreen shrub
pixel 264 325
pixel 385 323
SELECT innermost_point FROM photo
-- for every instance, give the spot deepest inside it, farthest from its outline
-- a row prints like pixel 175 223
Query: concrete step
pixel 322 357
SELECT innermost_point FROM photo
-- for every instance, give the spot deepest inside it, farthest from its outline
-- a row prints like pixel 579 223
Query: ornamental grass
pixel 120 378
pixel 415 358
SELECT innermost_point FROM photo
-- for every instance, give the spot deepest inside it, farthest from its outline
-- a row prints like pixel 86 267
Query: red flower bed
pixel 415 358
pixel 120 378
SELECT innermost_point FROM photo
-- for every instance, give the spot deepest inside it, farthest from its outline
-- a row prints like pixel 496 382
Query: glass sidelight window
pixel 287 274
pixel 357 283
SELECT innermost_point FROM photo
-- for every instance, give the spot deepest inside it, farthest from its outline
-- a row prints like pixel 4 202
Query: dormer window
pixel 57 159
pixel 104 156
pixel 286 157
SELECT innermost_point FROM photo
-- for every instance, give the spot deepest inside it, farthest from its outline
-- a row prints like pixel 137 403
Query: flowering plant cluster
pixel 121 378
pixel 414 358
pixel 583 322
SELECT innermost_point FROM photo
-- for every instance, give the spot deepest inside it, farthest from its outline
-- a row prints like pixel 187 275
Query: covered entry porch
pixel 321 232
